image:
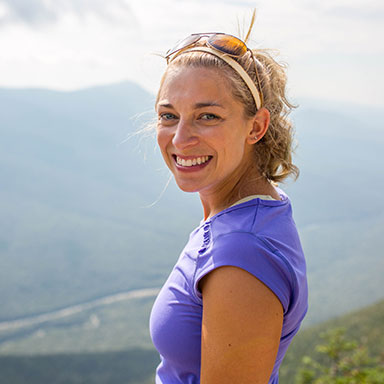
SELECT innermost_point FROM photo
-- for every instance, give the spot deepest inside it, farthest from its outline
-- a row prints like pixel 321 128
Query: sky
pixel 333 48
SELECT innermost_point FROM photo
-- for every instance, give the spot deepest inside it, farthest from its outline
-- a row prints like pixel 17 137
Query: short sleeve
pixel 255 255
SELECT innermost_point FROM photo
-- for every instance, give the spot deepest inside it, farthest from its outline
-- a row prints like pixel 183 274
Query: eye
pixel 209 116
pixel 167 116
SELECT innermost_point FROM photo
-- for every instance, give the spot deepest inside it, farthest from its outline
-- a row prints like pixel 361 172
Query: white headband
pixel 236 66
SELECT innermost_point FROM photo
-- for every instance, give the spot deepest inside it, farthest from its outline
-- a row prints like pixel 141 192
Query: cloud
pixel 39 12
pixel 331 46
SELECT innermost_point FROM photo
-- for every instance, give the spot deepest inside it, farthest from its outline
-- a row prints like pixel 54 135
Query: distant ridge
pixel 108 86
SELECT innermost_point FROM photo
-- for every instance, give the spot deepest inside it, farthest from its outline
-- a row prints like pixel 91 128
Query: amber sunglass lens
pixel 228 44
pixel 184 43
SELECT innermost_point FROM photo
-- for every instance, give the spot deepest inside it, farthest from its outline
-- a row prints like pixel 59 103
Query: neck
pixel 248 182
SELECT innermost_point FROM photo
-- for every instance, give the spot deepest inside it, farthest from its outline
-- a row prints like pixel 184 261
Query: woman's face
pixel 202 132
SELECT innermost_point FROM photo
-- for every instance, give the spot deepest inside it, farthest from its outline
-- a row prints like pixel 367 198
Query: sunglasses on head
pixel 223 43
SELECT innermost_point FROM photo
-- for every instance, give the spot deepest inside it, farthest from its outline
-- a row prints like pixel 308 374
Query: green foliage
pixel 346 362
pixel 365 325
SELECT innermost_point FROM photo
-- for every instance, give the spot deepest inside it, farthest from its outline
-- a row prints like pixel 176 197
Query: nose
pixel 185 135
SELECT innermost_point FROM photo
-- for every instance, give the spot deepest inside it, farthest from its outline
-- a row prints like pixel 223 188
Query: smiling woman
pixel 200 121
pixel 238 292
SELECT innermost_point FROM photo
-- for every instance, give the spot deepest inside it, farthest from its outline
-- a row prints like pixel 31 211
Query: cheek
pixel 163 138
pixel 233 149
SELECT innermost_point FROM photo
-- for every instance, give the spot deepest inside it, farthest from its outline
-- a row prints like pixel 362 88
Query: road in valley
pixel 75 309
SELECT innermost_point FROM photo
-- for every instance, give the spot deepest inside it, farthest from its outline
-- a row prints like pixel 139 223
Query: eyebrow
pixel 197 105
pixel 208 104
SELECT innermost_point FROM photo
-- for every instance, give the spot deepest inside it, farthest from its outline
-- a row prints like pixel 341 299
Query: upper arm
pixel 241 328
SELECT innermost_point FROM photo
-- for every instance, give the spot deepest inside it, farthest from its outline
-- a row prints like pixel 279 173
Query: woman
pixel 238 293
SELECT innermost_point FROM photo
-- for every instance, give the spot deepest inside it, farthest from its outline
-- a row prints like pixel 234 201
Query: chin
pixel 187 187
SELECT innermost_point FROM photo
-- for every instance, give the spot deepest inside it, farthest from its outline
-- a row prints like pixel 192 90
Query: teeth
pixel 191 162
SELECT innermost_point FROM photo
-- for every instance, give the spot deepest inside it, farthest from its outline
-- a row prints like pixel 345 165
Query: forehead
pixel 191 85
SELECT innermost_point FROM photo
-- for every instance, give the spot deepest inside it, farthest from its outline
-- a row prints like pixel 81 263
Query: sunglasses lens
pixel 228 44
pixel 184 43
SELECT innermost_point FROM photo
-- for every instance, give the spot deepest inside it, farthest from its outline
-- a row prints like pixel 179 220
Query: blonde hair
pixel 273 153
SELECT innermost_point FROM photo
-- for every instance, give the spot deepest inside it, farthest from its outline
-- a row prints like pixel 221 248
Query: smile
pixel 192 161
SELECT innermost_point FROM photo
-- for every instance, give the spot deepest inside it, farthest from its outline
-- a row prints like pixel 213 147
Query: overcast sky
pixel 334 47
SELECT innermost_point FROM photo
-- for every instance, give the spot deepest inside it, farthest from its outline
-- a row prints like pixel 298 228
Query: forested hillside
pixel 137 366
pixel 365 326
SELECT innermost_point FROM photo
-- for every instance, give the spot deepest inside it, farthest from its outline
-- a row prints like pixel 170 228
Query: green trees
pixel 341 361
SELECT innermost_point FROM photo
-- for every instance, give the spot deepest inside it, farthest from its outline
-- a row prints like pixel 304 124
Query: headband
pixel 236 66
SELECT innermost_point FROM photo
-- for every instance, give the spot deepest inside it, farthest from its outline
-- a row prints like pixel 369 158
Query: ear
pixel 259 126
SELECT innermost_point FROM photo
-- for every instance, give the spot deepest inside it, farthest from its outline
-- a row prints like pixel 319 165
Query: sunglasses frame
pixel 198 36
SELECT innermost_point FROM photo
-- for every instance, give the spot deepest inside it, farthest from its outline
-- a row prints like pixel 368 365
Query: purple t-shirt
pixel 258 236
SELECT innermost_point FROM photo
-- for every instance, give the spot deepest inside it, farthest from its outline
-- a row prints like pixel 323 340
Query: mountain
pixel 85 212
pixel 137 366
pixel 338 206
pixel 74 199
pixel 365 326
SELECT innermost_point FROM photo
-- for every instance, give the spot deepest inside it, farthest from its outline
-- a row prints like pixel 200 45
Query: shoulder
pixel 255 216
pixel 250 238
pixel 252 254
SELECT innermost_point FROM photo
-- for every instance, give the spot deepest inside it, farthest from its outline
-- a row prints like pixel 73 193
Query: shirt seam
pixel 200 252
